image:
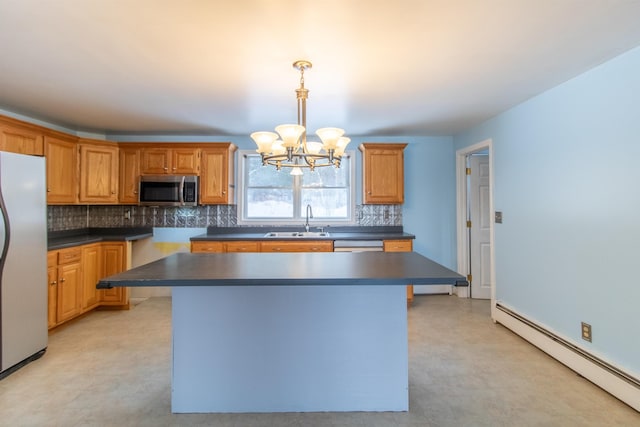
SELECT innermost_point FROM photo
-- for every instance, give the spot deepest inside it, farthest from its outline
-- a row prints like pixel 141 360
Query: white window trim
pixel 241 220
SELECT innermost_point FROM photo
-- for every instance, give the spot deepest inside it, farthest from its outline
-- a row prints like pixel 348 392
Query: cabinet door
pixel 289 246
pixel 242 246
pixel 155 161
pixel 52 285
pixel 69 291
pixel 62 164
pixel 98 174
pixel 214 178
pixel 207 247
pixel 383 169
pixel 21 141
pixel 114 262
pixel 91 263
pixel 129 173
pixel 185 161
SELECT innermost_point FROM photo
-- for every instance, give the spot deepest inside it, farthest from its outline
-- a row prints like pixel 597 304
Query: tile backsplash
pixel 61 218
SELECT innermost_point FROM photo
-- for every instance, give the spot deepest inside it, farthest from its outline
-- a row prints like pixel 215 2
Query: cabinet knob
pixel 166 169
pixel 113 192
pixel 62 280
pixel 174 168
pixel 135 191
pixel 224 192
pixel 48 190
pixel 55 282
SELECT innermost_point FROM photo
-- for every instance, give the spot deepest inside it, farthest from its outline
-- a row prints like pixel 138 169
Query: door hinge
pixel 468 171
pixel 468 224
pixel 469 278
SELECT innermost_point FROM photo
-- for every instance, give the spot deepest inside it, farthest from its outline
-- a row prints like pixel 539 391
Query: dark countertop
pixel 335 233
pixel 302 269
pixel 84 236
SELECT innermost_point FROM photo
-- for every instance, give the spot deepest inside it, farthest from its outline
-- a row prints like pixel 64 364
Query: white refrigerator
pixel 23 260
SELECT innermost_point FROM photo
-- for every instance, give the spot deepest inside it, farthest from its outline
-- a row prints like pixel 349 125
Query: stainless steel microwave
pixel 168 190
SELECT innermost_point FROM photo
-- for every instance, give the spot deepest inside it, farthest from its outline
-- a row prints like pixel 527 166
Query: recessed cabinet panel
pixel 383 173
pixel 129 171
pixel 62 171
pixel 98 174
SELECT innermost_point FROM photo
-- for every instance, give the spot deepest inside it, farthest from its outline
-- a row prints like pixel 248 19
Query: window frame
pixel 298 212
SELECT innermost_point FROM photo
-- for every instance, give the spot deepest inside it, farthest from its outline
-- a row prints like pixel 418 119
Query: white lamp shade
pixel 342 144
pixel 290 134
pixel 296 171
pixel 329 137
pixel 277 148
pixel 314 147
pixel 264 140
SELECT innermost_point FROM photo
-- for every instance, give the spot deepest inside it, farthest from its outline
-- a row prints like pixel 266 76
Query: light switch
pixel 498 216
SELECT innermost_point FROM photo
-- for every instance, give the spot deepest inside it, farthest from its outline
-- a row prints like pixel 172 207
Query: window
pixel 277 197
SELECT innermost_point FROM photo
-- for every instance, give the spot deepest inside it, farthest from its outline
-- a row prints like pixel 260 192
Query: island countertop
pixel 289 269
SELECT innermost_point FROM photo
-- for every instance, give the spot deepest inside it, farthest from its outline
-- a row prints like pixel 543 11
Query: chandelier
pixel 293 150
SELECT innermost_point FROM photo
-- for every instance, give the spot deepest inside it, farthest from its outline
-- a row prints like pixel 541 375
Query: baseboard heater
pixel 590 357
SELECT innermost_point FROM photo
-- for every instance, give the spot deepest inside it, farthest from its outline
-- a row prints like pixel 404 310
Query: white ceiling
pixel 380 67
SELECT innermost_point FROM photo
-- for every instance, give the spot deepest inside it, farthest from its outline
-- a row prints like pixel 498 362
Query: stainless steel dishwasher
pixel 358 246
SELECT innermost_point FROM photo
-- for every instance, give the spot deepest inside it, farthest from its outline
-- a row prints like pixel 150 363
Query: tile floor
pixel 113 369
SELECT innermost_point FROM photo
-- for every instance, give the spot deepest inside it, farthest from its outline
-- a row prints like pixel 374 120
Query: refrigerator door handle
pixel 5 235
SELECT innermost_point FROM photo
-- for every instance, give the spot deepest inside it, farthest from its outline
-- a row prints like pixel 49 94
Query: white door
pixel 479 235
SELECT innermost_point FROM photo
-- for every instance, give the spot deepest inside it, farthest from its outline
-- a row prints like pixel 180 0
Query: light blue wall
pixel 567 171
pixel 429 210
pixel 429 179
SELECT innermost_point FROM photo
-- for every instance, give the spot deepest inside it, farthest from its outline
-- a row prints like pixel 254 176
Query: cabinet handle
pixel 113 192
pixel 174 168
pixel 166 169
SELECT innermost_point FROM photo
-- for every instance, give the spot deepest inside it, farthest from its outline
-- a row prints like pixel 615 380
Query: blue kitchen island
pixel 289 332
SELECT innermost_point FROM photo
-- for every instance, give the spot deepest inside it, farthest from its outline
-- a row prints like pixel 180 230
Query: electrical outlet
pixel 586 331
pixel 498 217
pixel 127 214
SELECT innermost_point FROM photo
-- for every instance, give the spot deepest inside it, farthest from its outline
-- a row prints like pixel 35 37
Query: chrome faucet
pixel 309 215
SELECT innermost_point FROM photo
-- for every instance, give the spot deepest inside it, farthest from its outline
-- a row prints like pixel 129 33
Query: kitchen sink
pixel 297 234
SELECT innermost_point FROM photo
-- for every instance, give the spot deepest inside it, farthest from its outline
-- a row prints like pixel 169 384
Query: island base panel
pixel 289 349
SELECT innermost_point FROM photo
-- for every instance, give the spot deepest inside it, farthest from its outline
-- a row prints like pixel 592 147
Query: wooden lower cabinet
pixel 401 246
pixel 242 246
pixel 72 275
pixel 262 246
pixel 207 247
pixel 52 285
pixel 66 269
pixel 114 261
pixel 293 246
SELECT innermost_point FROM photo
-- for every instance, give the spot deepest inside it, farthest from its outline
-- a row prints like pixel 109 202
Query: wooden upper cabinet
pixel 383 173
pixel 21 139
pixel 98 173
pixel 185 160
pixel 217 175
pixel 129 171
pixel 62 170
pixel 158 161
